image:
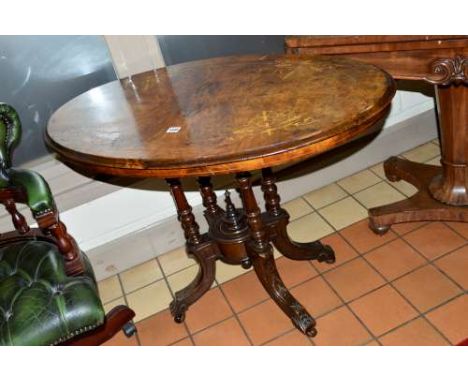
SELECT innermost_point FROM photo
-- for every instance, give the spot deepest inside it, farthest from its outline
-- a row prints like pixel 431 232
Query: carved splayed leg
pixel 277 220
pixel 261 254
pixel 206 255
pixel 267 273
pixel 200 247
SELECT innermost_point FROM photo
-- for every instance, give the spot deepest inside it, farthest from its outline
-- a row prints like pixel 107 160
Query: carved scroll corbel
pixel 447 71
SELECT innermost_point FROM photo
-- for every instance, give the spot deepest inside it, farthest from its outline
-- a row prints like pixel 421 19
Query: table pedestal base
pixel 244 237
pixel 419 207
pixel 443 191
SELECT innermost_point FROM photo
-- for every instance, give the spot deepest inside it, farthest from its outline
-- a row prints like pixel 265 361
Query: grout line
pixel 309 279
pixel 320 274
pixel 428 262
pixel 235 315
pixel 173 296
pixel 346 304
pixel 126 303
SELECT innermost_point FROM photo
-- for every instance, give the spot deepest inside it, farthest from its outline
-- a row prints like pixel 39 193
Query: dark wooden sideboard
pixel 440 60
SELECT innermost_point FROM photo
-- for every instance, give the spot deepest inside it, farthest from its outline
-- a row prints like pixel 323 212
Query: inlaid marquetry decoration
pixel 221 112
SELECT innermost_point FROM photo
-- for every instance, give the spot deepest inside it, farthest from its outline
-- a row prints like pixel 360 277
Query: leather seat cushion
pixel 39 303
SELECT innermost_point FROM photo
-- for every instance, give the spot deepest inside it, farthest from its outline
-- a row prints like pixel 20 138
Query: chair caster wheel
pixel 179 318
pixel 129 329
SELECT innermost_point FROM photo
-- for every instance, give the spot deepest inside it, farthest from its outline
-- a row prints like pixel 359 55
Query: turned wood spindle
pixel 19 221
pixel 208 196
pixel 184 212
pixel 252 211
pixel 270 192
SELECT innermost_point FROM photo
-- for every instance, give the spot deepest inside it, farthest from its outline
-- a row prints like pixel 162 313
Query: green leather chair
pixel 48 293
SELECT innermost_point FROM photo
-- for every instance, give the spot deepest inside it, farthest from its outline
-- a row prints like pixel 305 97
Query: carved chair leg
pixel 206 255
pixel 200 247
pixel 261 254
pixel 277 221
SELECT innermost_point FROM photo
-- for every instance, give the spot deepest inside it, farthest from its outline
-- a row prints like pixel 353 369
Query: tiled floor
pixel 407 287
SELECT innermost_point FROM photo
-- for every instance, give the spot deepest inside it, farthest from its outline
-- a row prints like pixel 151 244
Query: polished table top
pixel 220 115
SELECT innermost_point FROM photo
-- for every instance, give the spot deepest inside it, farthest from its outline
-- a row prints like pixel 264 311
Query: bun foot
pixel 246 263
pixel 327 255
pixel 312 332
pixel 177 311
pixel 379 230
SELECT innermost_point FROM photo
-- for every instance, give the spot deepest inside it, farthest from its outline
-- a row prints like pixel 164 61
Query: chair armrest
pixel 38 195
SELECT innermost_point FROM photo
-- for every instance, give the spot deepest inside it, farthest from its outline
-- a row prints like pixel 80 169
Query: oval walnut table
pixel 226 115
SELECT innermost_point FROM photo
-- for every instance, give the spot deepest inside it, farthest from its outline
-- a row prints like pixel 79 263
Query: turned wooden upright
pixel 442 61
pixel 227 115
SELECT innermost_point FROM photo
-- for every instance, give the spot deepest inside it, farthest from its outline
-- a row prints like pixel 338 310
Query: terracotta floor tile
pixel 434 240
pixel 363 239
pixel 226 333
pixel 316 296
pixel 403 228
pixel 451 319
pixel 343 252
pixel 294 272
pixel 415 333
pixel 455 265
pixel 121 340
pixel 354 279
pixel 394 259
pixel 426 287
pixel 372 343
pixel 461 228
pixel 339 328
pixel 184 342
pixel 244 291
pixel 265 321
pixel 381 317
pixel 293 338
pixel 160 329
pixel 210 309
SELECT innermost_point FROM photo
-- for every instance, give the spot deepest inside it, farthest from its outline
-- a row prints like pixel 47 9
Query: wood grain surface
pixel 220 115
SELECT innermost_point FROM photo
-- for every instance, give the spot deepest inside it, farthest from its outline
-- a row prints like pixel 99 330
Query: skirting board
pixel 153 238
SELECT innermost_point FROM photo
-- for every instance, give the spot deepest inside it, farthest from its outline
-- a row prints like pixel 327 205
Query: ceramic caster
pixel 129 329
